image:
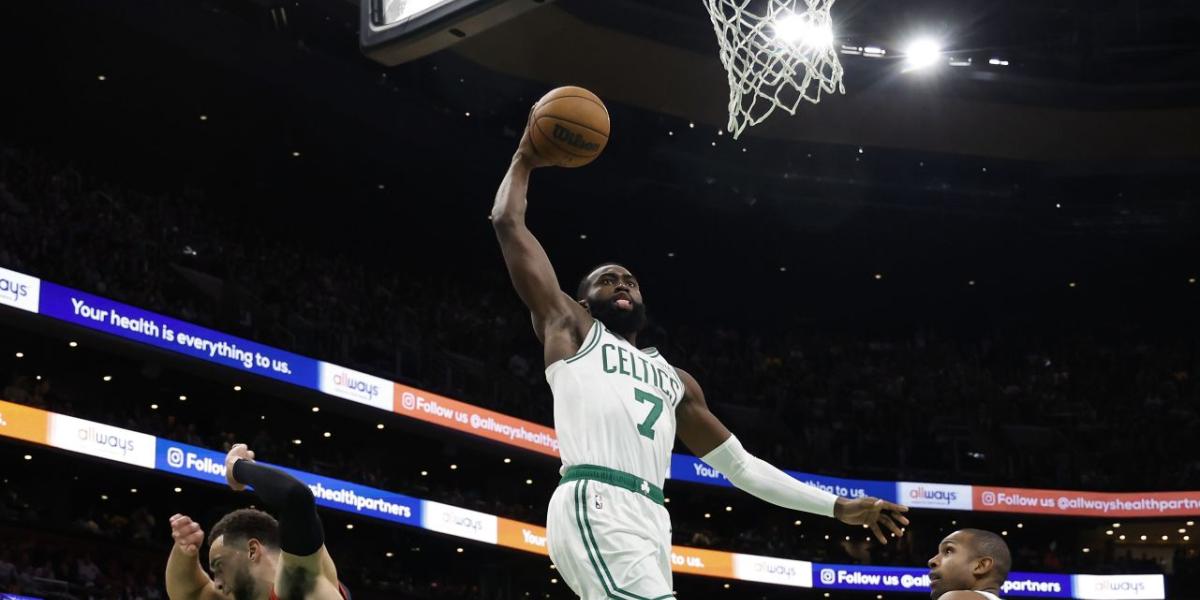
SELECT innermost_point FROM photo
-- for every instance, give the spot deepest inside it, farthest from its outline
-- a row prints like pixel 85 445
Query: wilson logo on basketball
pixel 573 139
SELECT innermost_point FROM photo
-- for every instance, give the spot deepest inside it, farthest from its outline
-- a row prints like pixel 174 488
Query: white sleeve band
pixel 760 479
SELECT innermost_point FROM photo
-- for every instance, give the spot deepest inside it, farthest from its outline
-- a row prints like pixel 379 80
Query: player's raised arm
pixel 306 571
pixel 530 269
pixel 706 436
pixel 185 578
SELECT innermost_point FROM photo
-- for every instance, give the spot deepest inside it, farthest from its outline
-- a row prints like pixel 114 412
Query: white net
pixel 777 53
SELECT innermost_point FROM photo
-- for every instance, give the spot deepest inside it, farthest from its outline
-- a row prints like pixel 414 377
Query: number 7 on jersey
pixel 646 427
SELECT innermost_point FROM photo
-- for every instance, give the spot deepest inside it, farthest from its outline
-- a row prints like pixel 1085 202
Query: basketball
pixel 569 127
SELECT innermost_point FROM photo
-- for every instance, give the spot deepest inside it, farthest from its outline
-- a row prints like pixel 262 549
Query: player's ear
pixel 983 566
pixel 583 302
pixel 254 549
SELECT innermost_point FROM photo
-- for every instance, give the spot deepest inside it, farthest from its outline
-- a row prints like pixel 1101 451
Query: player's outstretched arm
pixel 709 439
pixel 530 269
pixel 185 578
pixel 306 571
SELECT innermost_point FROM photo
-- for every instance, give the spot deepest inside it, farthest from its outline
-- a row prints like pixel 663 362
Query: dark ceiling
pixel 1059 189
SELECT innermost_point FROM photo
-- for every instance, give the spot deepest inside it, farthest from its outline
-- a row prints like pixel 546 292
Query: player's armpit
pixel 699 429
pixel 307 577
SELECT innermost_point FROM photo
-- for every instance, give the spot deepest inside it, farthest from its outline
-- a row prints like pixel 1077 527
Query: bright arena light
pixel 800 30
pixel 922 53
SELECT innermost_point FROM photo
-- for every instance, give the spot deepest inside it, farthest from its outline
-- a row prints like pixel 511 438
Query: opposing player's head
pixel 969 559
pixel 612 294
pixel 245 545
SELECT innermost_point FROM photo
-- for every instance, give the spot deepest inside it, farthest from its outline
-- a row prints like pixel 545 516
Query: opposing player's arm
pixel 530 269
pixel 704 434
pixel 306 570
pixel 185 578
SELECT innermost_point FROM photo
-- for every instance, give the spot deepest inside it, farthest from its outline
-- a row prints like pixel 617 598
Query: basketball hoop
pixel 776 53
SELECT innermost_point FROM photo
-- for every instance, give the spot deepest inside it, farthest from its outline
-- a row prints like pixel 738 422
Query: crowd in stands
pixel 1013 407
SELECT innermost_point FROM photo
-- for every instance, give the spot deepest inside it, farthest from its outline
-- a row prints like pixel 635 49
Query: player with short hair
pixel 251 555
pixel 617 411
pixel 971 564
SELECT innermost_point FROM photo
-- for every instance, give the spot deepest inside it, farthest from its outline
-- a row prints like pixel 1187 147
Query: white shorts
pixel 609 543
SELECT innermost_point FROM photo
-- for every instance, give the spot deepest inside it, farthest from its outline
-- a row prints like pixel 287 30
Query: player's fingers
pixel 878 533
pixel 890 524
pixel 892 506
pixel 250 454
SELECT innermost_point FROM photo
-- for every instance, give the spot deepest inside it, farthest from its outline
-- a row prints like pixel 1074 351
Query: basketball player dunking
pixel 617 410
pixel 971 564
pixel 252 556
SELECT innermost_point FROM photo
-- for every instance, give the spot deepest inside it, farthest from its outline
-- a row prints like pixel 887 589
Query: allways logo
pixel 110 442
pixel 932 496
pixel 358 385
pixel 18 290
pixel 12 290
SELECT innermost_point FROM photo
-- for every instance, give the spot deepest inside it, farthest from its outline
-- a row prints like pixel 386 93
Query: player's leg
pixel 567 549
pixel 624 548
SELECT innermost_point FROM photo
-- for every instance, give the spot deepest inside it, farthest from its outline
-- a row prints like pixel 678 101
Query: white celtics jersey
pixel 614 406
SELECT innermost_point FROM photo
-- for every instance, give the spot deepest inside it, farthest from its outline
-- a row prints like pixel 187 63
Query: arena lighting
pixel 381 186
pixel 691 125
pixel 132 490
pixel 178 490
pixel 237 388
pixel 922 53
pixel 1109 532
pixel 1187 538
pixel 453 467
pixel 107 378
pixel 1143 538
pixel 1005 532
pixel 101 78
pixel 20 355
pixel 104 496
pixel 459 550
pixel 726 586
pixel 424 473
pixel 797 30
pixel 379 426
pixel 998 62
pixel 349 525
pixel 797 523
pixel 730 509
pixel 203 117
pixel 707 516
pixel 153 407
pixel 507 460
pixel 1122 538
pixel 1164 538
pixel 316 409
pixel 183 398
pixel 295 154
pixel 1116 525
pixel 528 482
pixel 328 434
pixel 878 276
pixel 28 457
pixel 666 500
pixel 1191 523
pixel 468 113
pixel 73 344
pixel 1086 550
pixel 553 580
pixel 1020 525
pixel 297 441
pixel 1182 531
pixel 389 555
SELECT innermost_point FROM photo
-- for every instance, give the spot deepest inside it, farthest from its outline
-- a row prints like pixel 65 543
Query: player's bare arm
pixel 306 570
pixel 704 434
pixel 185 578
pixel 559 322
